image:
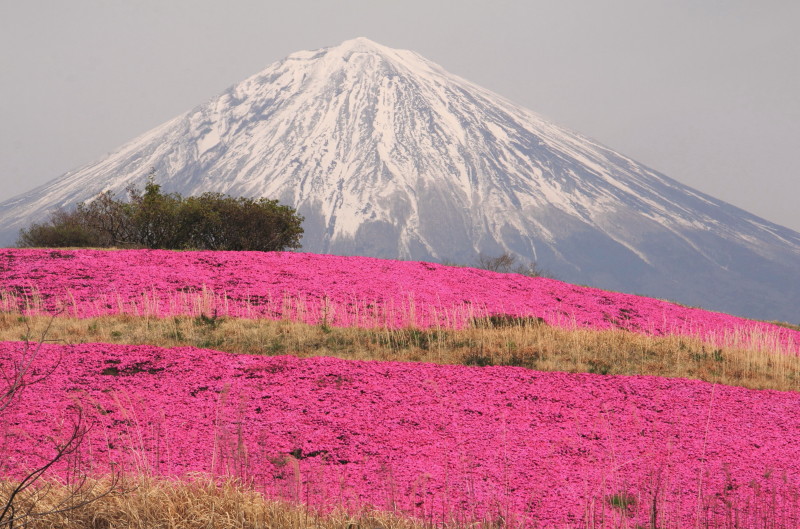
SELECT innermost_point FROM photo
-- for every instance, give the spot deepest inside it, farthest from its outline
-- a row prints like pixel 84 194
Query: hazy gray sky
pixel 705 91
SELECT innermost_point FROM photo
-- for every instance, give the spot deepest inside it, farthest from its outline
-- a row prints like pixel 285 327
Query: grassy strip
pixel 525 343
pixel 144 503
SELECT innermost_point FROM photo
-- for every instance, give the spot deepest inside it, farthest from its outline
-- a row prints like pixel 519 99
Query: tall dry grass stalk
pixel 751 361
pixel 144 502
pixel 353 312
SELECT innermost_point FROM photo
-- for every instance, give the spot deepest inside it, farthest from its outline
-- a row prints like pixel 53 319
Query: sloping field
pixel 433 441
pixel 508 446
pixel 346 291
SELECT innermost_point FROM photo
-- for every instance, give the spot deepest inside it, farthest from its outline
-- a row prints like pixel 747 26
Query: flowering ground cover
pixel 338 290
pixel 428 440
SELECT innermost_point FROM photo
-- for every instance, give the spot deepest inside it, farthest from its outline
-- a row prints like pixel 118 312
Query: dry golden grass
pixel 149 503
pixel 754 362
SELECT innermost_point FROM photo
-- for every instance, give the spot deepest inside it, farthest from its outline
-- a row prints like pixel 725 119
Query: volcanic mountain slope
pixel 386 154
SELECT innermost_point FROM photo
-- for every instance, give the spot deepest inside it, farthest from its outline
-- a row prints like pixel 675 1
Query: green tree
pixel 153 219
pixel 220 222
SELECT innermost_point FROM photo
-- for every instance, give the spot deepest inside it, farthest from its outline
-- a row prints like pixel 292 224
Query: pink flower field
pixel 436 442
pixel 341 291
pixel 539 449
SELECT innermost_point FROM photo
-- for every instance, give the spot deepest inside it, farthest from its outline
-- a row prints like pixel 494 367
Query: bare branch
pixel 19 504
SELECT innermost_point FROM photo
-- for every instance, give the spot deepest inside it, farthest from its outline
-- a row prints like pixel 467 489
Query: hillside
pixel 345 291
pixel 376 431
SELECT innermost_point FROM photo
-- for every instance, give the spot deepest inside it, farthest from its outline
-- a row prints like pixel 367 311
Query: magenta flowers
pixel 435 442
pixel 339 290
pixel 431 441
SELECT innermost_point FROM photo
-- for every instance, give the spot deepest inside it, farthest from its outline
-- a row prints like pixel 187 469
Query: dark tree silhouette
pixel 153 219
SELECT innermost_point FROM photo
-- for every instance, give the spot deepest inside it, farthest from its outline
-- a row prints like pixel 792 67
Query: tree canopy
pixel 153 219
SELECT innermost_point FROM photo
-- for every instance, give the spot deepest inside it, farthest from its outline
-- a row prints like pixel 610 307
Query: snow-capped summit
pixel 387 154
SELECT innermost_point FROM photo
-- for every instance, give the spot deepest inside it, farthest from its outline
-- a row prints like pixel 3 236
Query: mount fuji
pixel 386 154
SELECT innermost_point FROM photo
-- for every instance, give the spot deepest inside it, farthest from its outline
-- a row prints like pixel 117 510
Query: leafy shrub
pixel 217 222
pixel 60 230
pixel 152 219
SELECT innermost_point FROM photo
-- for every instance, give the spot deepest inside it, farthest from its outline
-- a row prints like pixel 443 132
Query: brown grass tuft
pixel 145 502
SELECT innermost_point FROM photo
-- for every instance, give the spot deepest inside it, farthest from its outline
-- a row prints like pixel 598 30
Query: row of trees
pixel 153 219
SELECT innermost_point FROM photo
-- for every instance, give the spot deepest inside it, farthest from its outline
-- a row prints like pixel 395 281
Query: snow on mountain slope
pixel 386 154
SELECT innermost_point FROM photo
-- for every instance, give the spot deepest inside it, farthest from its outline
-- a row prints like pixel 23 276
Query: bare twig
pixel 21 502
